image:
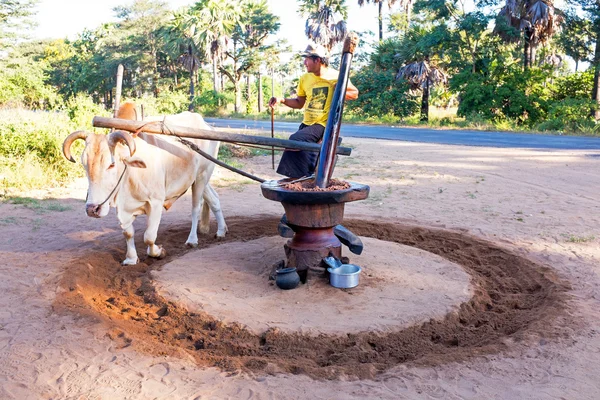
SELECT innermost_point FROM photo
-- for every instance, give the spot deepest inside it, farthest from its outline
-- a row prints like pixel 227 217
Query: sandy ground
pixel 538 205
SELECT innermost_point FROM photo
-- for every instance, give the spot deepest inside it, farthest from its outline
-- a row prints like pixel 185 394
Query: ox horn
pixel 124 137
pixel 69 141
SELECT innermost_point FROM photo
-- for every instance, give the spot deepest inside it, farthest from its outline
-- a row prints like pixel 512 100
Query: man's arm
pixel 297 102
pixel 351 92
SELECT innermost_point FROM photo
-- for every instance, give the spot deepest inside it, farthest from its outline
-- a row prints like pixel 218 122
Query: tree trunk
pixel 192 92
pixel 526 49
pixel 215 75
pixel 238 95
pixel 596 87
pixel 380 17
pixel 425 103
pixel 248 95
pixel 260 92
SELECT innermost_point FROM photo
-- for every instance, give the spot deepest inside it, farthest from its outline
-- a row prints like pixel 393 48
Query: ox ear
pixel 134 162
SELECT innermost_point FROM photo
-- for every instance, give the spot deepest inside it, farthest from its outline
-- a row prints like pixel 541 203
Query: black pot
pixel 287 278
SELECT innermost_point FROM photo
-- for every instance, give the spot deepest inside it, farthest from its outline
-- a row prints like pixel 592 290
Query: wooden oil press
pixel 314 214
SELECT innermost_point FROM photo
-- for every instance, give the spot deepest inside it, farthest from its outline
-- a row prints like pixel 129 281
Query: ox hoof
pixel 191 244
pixel 130 262
pixel 163 253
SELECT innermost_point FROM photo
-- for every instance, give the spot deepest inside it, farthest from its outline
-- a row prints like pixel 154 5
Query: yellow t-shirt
pixel 318 91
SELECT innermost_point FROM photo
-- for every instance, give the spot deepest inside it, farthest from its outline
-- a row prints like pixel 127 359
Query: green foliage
pixel 381 94
pixel 15 20
pixel 572 115
pixel 166 102
pixel 81 111
pixel 575 86
pixel 31 150
pixel 505 92
pixel 22 84
pixel 208 102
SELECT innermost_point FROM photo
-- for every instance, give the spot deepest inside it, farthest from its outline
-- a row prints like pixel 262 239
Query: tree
pixel 255 25
pixel 576 38
pixel 177 37
pixel 406 4
pixel 321 27
pixel 421 75
pixel 213 22
pixel 591 10
pixel 381 94
pixel 139 24
pixel 15 20
pixel 535 18
pixel 419 56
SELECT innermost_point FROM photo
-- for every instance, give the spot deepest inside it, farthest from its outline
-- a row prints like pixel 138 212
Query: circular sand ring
pixel 399 286
pixel 514 300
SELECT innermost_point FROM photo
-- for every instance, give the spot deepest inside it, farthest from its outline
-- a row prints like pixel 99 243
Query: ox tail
pixel 205 214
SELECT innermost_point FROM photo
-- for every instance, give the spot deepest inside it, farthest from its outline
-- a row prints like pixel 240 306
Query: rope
pixel 114 189
pixel 208 156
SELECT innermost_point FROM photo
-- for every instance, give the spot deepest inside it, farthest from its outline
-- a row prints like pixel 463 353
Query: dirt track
pixel 73 324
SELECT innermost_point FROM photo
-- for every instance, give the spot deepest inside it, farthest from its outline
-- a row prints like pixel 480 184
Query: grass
pixel 8 221
pixel 578 239
pixel 39 206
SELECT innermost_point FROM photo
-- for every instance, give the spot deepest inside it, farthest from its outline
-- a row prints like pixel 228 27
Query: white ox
pixel 142 175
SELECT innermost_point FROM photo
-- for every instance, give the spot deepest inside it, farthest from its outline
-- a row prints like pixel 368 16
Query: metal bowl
pixel 344 276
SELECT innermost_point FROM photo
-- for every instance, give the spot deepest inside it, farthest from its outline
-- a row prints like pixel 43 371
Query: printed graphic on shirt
pixel 318 98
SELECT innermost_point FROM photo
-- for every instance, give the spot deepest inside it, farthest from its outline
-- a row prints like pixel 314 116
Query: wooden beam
pixel 197 133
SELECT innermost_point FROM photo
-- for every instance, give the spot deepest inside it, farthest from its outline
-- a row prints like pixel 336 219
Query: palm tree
pixel 213 21
pixel 179 44
pixel 405 4
pixel 321 27
pixel 419 57
pixel 536 18
pixel 421 75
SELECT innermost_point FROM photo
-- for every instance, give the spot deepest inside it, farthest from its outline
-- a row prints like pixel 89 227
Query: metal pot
pixel 345 276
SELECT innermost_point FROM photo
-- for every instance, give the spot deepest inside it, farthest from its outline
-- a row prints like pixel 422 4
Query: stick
pixel 273 136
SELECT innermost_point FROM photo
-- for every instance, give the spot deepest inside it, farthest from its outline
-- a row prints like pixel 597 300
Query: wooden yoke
pixel 332 130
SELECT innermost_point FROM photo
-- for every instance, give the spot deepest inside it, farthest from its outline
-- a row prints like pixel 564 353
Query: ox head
pixel 101 159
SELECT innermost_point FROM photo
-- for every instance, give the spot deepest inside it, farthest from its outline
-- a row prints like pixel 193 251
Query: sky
pixel 67 18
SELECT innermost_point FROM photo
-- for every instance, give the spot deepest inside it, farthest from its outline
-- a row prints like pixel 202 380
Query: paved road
pixel 424 135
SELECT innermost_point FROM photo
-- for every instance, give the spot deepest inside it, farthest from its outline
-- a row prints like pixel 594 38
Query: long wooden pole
pixel 334 120
pixel 197 133
pixel 273 135
pixel 119 85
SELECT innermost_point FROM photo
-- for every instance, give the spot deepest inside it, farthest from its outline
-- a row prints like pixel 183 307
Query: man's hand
pixel 273 101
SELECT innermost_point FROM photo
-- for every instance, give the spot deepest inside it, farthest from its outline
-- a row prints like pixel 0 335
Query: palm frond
pixel 420 75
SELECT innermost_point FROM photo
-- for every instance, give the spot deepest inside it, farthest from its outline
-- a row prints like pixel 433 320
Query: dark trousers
pixel 298 164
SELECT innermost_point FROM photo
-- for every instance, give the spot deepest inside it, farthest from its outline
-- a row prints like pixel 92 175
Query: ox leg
pixel 131 257
pixel 154 216
pixel 211 199
pixel 197 190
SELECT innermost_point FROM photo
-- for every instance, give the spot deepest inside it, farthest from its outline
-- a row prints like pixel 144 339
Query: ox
pixel 143 174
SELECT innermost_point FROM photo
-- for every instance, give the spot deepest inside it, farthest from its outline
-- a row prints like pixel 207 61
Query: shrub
pixel 504 93
pixel 166 103
pixel 569 115
pixel 381 95
pixel 31 150
pixel 81 110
